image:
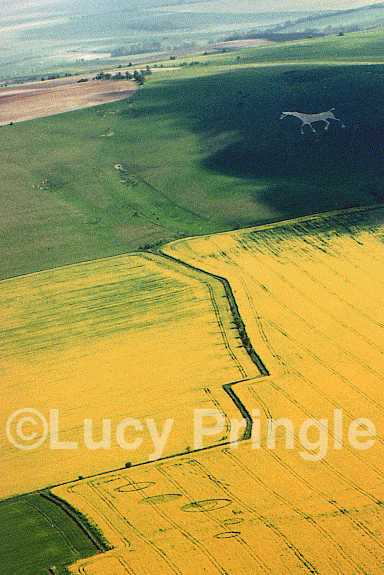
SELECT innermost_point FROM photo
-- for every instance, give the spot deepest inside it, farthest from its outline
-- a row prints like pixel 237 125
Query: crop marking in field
pixel 309 295
pixel 97 338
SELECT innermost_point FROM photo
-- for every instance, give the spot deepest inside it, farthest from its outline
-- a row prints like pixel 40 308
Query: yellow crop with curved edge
pixel 310 295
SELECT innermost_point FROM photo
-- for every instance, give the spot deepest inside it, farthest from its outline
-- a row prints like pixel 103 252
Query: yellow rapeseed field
pixel 130 336
pixel 310 294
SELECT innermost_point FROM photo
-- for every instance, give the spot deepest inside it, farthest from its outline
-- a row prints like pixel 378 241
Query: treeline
pixel 152 47
pixel 55 76
pixel 274 36
pixel 137 75
pixel 309 26
pixel 142 48
pixel 314 28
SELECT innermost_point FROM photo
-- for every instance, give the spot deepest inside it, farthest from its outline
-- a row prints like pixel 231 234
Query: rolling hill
pixel 188 168
pixel 343 20
pixel 61 34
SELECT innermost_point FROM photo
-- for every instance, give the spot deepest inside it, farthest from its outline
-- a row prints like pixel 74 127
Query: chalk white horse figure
pixel 309 119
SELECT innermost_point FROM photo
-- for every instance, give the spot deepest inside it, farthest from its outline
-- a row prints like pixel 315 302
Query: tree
pixel 138 76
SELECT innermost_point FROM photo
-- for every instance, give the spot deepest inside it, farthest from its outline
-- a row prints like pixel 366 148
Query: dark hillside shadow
pixel 237 115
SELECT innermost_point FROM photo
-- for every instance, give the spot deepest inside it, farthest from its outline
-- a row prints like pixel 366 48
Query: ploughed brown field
pixel 40 99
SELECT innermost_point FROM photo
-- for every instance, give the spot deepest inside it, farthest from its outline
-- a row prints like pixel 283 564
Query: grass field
pixel 353 47
pixel 366 16
pixel 36 534
pixel 131 336
pixel 310 294
pixel 200 150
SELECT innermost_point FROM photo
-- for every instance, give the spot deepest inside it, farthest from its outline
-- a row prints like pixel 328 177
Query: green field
pixel 366 16
pixel 365 46
pixel 36 535
pixel 198 150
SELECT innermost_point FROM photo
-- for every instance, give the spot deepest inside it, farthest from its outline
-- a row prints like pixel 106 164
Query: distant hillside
pixel 345 20
pixel 67 34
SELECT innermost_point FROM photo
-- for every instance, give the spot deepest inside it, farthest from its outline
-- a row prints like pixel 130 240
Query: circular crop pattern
pixel 206 505
pixel 164 498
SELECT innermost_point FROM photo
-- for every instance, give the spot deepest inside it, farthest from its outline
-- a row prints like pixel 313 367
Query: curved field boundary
pixel 43 534
pixel 91 531
pixel 228 388
pixel 245 340
pixel 238 321
pixel 225 289
pixel 271 226
pixel 234 309
pixel 324 491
